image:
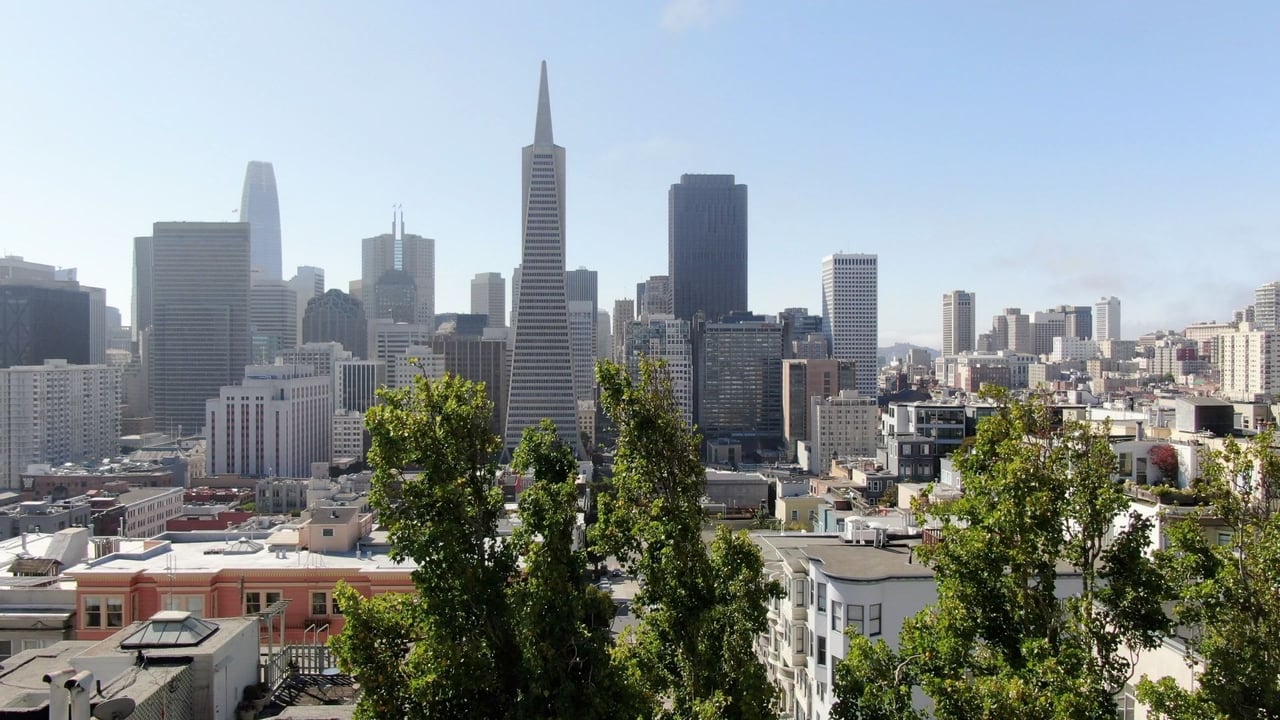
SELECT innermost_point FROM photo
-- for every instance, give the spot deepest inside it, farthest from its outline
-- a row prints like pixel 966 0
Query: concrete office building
pixel 348 435
pixel 489 297
pixel 274 424
pixel 273 320
pixel 307 283
pixel 1078 321
pixel 582 331
pixel 356 384
pixel 1012 331
pixel 804 379
pixel 416 360
pixel 1045 326
pixel 843 425
pixel 478 360
pixel 384 290
pixel 739 383
pixel 388 339
pixel 55 413
pixel 604 335
pixel 707 246
pixel 542 383
pixel 665 338
pixel 1249 360
pixel 337 317
pixel 43 320
pixel 193 289
pixel 1106 317
pixel 653 296
pixel 959 322
pixel 260 207
pixel 320 357
pixel 850 312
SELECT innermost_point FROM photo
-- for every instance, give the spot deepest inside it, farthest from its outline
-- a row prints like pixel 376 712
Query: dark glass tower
pixel 337 317
pixel 260 207
pixel 707 246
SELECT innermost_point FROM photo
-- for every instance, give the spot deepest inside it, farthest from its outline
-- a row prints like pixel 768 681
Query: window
pixel 853 613
pixel 93 612
pixel 1126 703
pixel 319 603
pixel 808 649
pixel 100 612
pixel 326 532
pixel 29 644
pixel 798 591
pixel 193 604
pixel 335 608
pixel 6 649
pixel 256 601
pixel 812 590
pixel 822 597
pixel 795 515
pixel 1224 538
pixel 873 621
pixel 822 651
pixel 837 615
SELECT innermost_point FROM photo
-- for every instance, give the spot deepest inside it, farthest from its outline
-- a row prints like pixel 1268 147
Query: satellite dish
pixel 114 709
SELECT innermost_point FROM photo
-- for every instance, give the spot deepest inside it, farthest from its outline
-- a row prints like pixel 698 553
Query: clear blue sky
pixel 1035 153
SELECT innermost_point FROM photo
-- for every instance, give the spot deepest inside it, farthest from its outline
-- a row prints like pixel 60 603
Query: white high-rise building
pixel 541 383
pixel 56 413
pixel 663 337
pixel 1266 307
pixel 275 423
pixel 959 322
pixel 1106 319
pixel 388 339
pixel 850 313
pixel 1249 360
pixel 489 297
pixel 348 435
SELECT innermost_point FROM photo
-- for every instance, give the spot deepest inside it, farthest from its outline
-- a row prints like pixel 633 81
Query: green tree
pixel 1228 592
pixel 1039 499
pixel 449 650
pixel 700 609
pixel 562 623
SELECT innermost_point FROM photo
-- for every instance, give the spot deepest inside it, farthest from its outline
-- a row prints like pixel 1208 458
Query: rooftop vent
pixel 170 629
pixel 243 546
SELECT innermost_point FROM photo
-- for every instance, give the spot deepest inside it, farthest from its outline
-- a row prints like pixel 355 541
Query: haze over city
pixel 1030 156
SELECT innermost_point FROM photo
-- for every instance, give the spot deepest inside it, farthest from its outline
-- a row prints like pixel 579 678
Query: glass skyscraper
pixel 707 246
pixel 260 207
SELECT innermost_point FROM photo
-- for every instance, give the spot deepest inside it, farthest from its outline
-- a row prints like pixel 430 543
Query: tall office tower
pixel 842 425
pixel 583 285
pixel 337 317
pixel 653 296
pixel 388 339
pixel 1045 326
pixel 119 335
pixel 260 207
pixel 489 297
pixel 196 280
pixel 1012 331
pixel 66 277
pixel 707 246
pixel 850 313
pixel 515 293
pixel 663 337
pixel 319 356
pixel 275 423
pixel 738 382
pixel 385 294
pixel 55 413
pixel 959 322
pixel 356 384
pixel 307 283
pixel 479 361
pixel 624 311
pixel 582 333
pixel 273 320
pixel 1245 314
pixel 541 383
pixel 797 324
pixel 803 380
pixel 604 336
pixel 1079 321
pixel 43 320
pixel 1106 319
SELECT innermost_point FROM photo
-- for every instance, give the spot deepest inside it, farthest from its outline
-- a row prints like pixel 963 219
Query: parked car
pixel 615 573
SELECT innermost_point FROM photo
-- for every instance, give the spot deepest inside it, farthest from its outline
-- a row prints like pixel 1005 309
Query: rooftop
pixel 859 563
pixel 210 552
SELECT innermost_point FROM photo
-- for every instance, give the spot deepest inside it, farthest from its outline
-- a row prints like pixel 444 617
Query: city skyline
pixel 1131 139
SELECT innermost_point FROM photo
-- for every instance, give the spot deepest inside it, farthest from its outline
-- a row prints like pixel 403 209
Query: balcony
pixel 1164 495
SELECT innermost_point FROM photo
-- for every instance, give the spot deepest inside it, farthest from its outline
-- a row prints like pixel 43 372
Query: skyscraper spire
pixel 542 382
pixel 542 129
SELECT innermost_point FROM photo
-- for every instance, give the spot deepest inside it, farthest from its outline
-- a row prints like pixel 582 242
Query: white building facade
pixel 1106 319
pixel 663 337
pixel 1249 360
pixel 850 313
pixel 843 426
pixel 276 423
pixel 55 413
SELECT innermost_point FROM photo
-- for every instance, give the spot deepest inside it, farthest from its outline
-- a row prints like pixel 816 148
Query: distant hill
pixel 899 350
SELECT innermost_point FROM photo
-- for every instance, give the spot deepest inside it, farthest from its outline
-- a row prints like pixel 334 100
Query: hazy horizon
pixel 1035 155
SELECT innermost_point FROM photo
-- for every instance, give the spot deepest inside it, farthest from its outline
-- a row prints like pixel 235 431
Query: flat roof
pixel 848 561
pixel 166 555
